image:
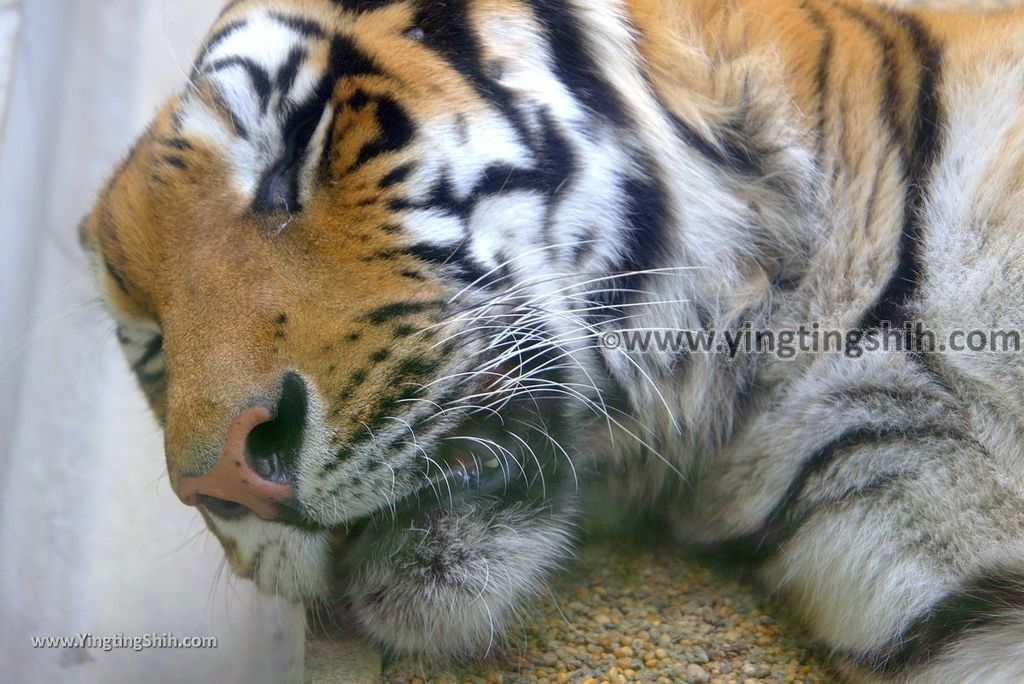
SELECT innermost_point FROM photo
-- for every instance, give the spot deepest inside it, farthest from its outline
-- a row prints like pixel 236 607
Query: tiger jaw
pixel 296 560
pixel 432 553
pixel 307 553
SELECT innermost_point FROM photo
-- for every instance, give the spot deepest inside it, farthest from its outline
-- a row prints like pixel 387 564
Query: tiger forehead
pixel 290 97
pixel 272 80
pixel 380 30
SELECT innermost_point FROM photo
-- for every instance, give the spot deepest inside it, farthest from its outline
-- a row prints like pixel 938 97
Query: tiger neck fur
pixel 691 207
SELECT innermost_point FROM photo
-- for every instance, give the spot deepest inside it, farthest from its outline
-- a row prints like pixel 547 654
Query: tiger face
pixel 331 264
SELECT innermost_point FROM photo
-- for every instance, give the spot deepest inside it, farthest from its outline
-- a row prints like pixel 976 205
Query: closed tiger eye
pixel 416 33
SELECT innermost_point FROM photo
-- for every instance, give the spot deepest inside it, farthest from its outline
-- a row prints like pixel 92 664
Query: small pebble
pixel 697 674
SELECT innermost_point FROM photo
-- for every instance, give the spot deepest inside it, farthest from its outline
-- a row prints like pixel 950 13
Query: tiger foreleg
pixel 917 576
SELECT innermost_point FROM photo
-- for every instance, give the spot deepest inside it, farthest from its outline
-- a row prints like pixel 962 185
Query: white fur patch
pixel 288 562
pixel 267 43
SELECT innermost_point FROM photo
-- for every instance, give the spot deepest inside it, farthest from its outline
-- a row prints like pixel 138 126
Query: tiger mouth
pixel 464 475
pixel 495 466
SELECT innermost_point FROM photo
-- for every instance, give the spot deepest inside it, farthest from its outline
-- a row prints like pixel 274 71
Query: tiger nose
pixel 257 464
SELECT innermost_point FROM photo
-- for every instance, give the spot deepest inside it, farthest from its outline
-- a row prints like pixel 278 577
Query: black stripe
pixel 306 27
pixel 551 174
pixel 151 381
pixel 215 40
pixel 358 100
pixel 575 64
pixel 495 179
pixel 925 147
pixel 240 130
pixel 176 161
pixel 179 144
pixel 789 514
pixel 362 5
pixel 919 142
pixel 289 71
pixel 724 151
pixel 395 176
pixel 821 76
pixel 154 349
pixel 645 242
pixel 449 32
pixel 892 99
pixel 121 282
pixel 993 597
pixel 556 164
pixel 500 178
pixel 347 60
pixel 456 261
pixel 396 131
pixel 279 187
pixel 392 312
pixel 872 200
pixel 333 134
pixel 257 74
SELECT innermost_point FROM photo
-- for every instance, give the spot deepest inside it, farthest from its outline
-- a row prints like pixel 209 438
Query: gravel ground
pixel 634 612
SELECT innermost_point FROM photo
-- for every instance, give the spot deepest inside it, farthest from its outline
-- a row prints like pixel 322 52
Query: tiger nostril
pixel 257 467
pixel 272 448
pixel 228 510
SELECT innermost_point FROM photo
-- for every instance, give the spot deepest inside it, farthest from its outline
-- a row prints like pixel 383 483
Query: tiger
pixel 369 263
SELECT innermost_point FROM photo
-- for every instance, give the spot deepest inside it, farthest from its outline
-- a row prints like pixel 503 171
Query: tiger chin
pixel 375 265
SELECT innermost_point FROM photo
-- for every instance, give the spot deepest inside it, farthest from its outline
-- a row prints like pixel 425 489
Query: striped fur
pixel 433 211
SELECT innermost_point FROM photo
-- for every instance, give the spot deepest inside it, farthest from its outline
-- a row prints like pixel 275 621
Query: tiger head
pixel 351 266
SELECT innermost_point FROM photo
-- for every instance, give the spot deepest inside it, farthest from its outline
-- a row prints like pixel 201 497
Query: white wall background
pixel 91 537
